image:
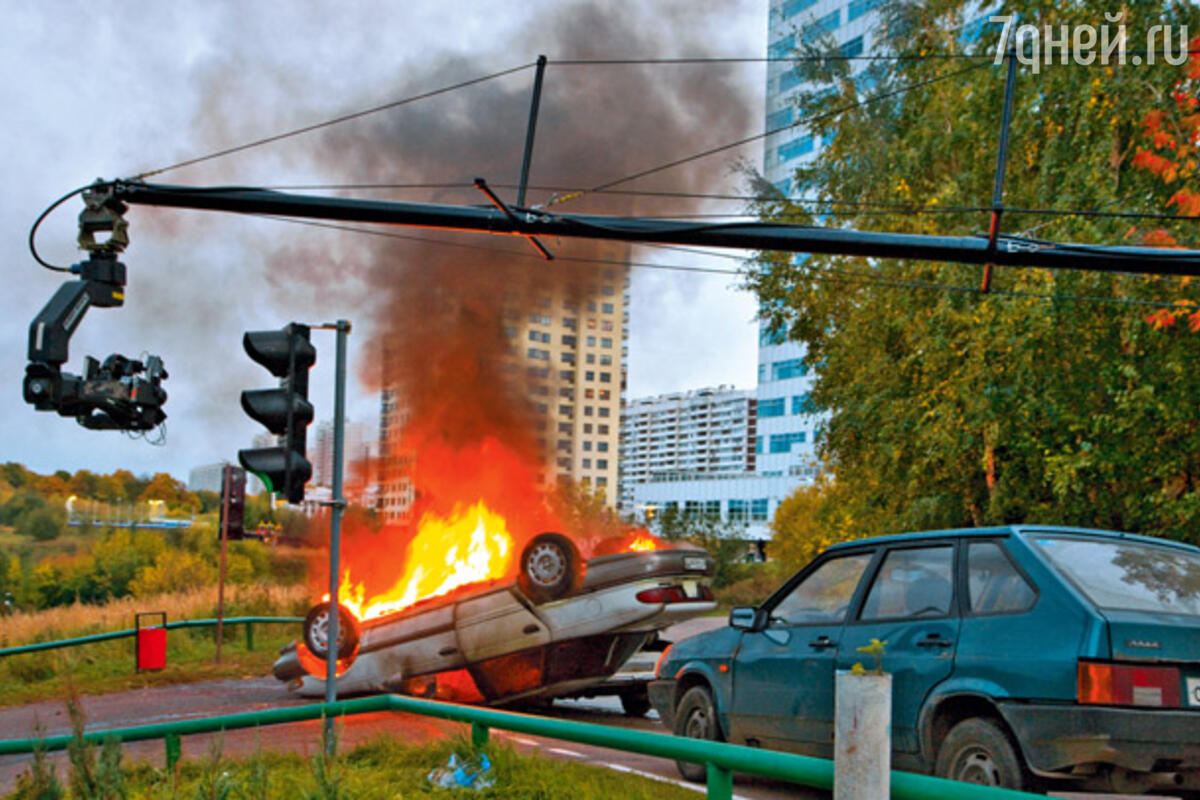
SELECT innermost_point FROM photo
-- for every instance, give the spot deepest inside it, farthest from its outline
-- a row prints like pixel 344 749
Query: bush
pixel 43 524
pixel 173 570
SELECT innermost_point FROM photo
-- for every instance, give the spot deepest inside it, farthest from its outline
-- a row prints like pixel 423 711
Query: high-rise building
pixel 568 347
pixel 703 431
pixel 357 448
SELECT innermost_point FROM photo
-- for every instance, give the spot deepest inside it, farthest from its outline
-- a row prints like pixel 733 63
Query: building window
pixel 796 147
pixel 568 341
pixel 739 510
pixel 607 291
pixel 587 463
pixel 758 509
pixel 852 48
pixel 587 427
pixel 590 375
pixel 539 336
pixel 564 445
pixel 802 404
pixel 779 119
pixel 606 325
pixel 604 411
pixel 539 319
pixel 565 463
pixel 815 30
pixel 591 358
pixel 567 375
pixel 605 341
pixel 692 508
pixel 587 411
pixel 587 445
pixel 605 394
pixel 792 368
pixel 758 440
pixel 762 373
pixel 567 392
pixel 782 442
pixel 602 447
pixel 591 341
pixel 565 411
pixel 784 46
pixel 564 427
pixel 540 355
pixel 601 429
pixel 602 481
pixel 606 377
pixel 771 408
pixel 569 323
pixel 859 7
pixel 712 509
pixel 589 393
pixel 606 308
pixel 606 360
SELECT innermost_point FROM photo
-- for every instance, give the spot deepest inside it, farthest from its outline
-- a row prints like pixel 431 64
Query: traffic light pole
pixel 337 505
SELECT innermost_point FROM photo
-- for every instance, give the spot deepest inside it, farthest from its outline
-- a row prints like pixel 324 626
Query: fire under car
pixel 561 628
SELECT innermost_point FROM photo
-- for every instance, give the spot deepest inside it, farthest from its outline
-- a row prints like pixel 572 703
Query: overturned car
pixel 561 628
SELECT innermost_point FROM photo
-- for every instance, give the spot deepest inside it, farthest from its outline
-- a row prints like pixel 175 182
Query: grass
pixel 385 769
pixel 109 666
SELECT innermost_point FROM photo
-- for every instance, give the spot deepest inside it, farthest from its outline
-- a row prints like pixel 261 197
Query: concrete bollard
pixel 862 742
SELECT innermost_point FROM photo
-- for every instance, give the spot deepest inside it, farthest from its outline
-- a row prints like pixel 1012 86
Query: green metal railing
pixel 722 759
pixel 249 622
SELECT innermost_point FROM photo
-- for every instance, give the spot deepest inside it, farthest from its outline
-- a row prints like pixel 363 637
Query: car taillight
pixel 673 594
pixel 1128 685
pixel 661 658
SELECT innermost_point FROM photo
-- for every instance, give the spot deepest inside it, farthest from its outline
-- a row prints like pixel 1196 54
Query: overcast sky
pixel 111 90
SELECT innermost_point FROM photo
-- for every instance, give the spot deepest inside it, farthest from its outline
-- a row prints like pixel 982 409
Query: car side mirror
pixel 746 618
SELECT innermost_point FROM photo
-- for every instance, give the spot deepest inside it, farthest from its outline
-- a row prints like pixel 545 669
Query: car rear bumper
pixel 1056 738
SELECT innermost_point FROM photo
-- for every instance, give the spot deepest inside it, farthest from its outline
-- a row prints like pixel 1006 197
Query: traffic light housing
pixel 286 412
pixel 233 489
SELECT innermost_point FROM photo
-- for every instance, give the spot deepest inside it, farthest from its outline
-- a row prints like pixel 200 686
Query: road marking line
pixel 526 742
pixel 694 787
pixel 563 752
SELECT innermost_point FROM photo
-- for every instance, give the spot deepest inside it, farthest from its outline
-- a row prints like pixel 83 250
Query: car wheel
pixel 548 567
pixel 316 631
pixel 635 703
pixel 696 718
pixel 978 750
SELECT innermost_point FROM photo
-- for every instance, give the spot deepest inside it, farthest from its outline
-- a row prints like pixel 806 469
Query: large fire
pixel 469 546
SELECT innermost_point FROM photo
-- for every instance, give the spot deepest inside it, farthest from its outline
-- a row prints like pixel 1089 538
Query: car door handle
pixel 822 642
pixel 934 640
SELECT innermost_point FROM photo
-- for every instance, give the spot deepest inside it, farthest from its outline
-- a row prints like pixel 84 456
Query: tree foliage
pixel 949 407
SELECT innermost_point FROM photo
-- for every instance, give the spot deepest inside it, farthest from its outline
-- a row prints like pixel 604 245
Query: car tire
pixel 635 704
pixel 978 750
pixel 549 567
pixel 696 718
pixel 316 631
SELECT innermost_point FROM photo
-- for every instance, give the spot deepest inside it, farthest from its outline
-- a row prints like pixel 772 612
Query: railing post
pixel 249 636
pixel 479 734
pixel 720 783
pixel 174 750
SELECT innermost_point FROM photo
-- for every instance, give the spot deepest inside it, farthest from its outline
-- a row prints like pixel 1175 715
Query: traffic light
pixel 233 497
pixel 285 411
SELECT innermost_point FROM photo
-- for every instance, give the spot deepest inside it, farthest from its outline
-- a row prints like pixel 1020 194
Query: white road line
pixel 694 787
pixel 526 742
pixel 563 752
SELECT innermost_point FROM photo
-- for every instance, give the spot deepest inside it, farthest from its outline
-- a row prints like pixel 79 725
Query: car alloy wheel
pixel 548 567
pixel 316 631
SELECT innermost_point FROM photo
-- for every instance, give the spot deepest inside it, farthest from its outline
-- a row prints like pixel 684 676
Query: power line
pixel 334 121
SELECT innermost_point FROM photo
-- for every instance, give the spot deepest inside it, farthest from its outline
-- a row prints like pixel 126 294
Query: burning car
pixel 560 627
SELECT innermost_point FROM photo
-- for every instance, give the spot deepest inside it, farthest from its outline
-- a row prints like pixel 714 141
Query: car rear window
pixel 1126 574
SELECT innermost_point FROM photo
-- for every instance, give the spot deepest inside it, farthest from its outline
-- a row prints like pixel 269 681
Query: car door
pixel 782 685
pixel 911 604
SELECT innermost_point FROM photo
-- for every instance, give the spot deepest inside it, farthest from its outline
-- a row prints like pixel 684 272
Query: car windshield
pixel 1127 574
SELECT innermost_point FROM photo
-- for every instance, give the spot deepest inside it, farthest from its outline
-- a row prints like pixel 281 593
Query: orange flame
pixel 643 541
pixel 469 546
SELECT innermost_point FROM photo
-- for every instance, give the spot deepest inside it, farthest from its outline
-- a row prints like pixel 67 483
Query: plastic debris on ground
pixel 473 772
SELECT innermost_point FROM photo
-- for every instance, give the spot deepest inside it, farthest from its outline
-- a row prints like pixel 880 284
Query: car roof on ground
pixel 1002 530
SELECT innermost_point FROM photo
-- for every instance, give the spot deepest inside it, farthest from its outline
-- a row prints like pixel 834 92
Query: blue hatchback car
pixel 1030 657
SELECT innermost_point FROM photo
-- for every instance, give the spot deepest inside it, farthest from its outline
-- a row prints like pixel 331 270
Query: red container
pixel 151 643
